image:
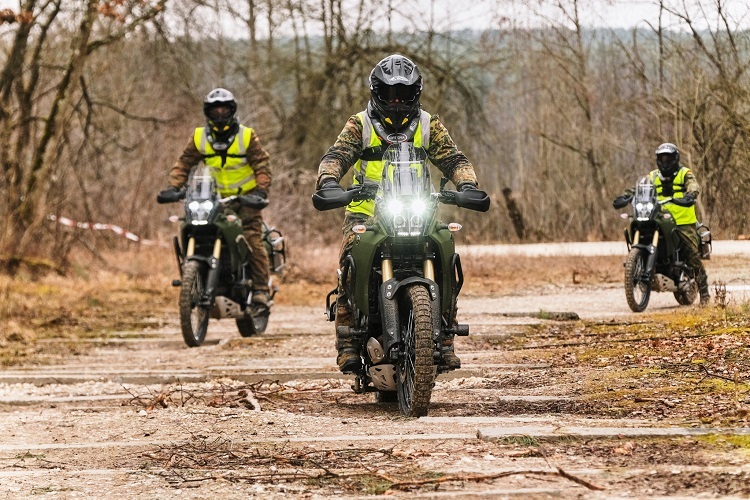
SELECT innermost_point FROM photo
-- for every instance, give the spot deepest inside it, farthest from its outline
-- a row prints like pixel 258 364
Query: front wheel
pixel 193 315
pixel 416 370
pixel 637 283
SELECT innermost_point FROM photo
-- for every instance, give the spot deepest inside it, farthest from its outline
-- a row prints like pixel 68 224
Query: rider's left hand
pixel 257 199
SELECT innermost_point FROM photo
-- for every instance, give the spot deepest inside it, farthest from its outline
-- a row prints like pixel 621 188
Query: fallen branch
pixel 404 485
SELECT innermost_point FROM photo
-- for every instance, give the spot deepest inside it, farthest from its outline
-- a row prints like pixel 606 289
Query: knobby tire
pixel 635 269
pixel 193 317
pixel 416 371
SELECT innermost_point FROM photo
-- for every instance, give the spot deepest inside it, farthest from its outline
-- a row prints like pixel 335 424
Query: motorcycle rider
pixel 673 180
pixel 393 114
pixel 236 159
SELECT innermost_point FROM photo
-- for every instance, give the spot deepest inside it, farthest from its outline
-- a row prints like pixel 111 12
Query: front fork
pixel 652 251
pixel 212 277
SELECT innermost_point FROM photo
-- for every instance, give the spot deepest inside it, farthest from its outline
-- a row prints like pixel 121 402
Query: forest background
pixel 559 116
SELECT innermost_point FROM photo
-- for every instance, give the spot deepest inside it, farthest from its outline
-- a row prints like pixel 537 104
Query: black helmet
pixel 395 87
pixel 220 107
pixel 668 159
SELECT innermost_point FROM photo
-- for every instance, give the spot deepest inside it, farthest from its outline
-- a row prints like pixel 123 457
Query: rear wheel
pixel 193 316
pixel 416 370
pixel 637 288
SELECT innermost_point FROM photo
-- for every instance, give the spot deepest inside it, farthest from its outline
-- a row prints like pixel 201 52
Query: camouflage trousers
pixel 690 253
pixel 252 230
pixel 343 308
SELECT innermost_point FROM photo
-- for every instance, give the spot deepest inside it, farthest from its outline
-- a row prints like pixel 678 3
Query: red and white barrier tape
pixel 97 226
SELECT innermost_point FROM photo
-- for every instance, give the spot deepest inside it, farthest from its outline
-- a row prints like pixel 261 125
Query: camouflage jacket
pixel 257 157
pixel 442 152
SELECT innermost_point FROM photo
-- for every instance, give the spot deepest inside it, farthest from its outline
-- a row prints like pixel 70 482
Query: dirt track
pixel 142 416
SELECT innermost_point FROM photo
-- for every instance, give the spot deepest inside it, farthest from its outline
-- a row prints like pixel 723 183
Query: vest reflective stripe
pixel 232 173
pixel 373 170
pixel 682 215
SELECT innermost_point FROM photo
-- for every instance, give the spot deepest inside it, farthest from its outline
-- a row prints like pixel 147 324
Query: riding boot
pixel 450 360
pixel 702 281
pixel 348 347
pixel 705 297
pixel 347 344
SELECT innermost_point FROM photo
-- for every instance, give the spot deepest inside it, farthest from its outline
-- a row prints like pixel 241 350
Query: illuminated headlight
pixel 199 211
pixel 201 205
pixel 643 210
pixel 418 207
pixel 395 207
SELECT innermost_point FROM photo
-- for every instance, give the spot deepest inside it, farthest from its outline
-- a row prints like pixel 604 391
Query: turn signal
pixel 359 229
pixel 454 226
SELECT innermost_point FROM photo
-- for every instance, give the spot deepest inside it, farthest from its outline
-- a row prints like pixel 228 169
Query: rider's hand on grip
pixel 686 201
pixel 465 186
pixel 171 194
pixel 622 201
pixel 254 200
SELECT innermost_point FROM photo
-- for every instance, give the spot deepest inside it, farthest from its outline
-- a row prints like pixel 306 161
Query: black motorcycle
pixel 654 262
pixel 212 256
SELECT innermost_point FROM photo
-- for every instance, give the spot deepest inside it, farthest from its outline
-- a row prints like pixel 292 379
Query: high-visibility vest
pixel 372 166
pixel 682 215
pixel 232 172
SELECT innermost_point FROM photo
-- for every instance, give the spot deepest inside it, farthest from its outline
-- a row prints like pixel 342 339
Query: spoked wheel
pixel 415 371
pixel 193 316
pixel 637 290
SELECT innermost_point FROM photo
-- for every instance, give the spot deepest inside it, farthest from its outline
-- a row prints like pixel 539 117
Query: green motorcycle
pixel 402 278
pixel 212 256
pixel 654 262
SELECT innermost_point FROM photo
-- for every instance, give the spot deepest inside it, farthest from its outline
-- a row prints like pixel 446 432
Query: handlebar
pixel 330 198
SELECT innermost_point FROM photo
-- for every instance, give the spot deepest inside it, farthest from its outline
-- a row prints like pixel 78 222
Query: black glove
pixel 464 186
pixel 170 195
pixel 686 201
pixel 330 183
pixel 256 199
pixel 622 200
pixel 260 192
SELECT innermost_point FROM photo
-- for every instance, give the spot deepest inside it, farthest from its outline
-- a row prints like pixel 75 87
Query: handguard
pixel 472 199
pixel 253 201
pixel 170 195
pixel 622 201
pixel 329 198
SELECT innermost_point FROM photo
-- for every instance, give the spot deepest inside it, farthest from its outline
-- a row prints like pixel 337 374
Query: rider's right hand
pixel 330 183
pixel 170 195
pixel 621 201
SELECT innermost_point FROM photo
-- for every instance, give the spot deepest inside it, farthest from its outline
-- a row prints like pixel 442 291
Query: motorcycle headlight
pixel 643 210
pixel 199 211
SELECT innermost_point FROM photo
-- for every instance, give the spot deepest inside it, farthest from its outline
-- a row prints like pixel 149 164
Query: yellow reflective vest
pixel 682 215
pixel 232 172
pixel 373 169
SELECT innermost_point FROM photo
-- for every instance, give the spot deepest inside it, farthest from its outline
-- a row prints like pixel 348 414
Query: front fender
pixel 390 291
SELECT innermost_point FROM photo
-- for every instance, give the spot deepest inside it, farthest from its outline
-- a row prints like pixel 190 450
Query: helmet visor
pixel 219 113
pixel 666 160
pixel 397 94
